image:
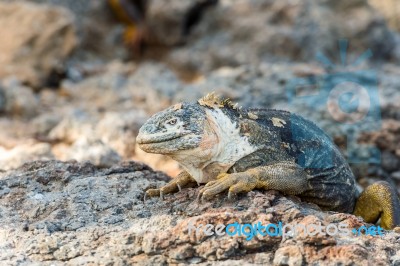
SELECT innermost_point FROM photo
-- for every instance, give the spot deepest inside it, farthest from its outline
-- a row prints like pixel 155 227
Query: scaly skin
pixel 240 150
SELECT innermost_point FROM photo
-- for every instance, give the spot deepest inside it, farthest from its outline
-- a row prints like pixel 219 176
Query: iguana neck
pixel 221 146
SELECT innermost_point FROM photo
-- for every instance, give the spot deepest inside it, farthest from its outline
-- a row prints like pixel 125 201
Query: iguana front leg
pixel 286 177
pixel 184 179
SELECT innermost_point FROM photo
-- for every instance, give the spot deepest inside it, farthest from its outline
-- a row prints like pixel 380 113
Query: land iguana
pixel 238 150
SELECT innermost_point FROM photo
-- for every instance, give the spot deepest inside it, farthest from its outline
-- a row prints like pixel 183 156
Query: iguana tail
pixel 379 200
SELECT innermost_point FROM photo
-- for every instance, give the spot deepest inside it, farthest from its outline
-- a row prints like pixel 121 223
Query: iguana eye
pixel 172 122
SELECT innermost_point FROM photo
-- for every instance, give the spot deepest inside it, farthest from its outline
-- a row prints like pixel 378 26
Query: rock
pixel 76 137
pixel 396 259
pixel 2 100
pixel 14 132
pixel 289 255
pixel 93 21
pixel 152 93
pixel 165 20
pixel 112 136
pixel 389 9
pixel 390 162
pixel 119 130
pixel 74 126
pixel 256 86
pixel 43 124
pixel 18 100
pixel 125 86
pixel 95 151
pixel 35 40
pixel 396 175
pixel 267 31
pixel 387 139
pixel 77 213
pixel 13 158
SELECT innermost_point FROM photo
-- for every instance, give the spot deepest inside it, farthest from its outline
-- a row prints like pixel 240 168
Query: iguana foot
pixel 379 200
pixel 236 183
pixel 176 184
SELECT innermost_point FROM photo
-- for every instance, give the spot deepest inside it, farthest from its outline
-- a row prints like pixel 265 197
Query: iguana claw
pixel 231 196
pixel 153 192
pixel 161 195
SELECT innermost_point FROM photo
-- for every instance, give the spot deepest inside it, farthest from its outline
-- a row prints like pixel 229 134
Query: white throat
pixel 221 147
pixel 231 145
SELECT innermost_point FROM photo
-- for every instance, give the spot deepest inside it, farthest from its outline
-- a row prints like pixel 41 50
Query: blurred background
pixel 79 77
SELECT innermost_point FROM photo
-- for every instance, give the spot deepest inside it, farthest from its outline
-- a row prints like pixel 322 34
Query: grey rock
pixel 95 151
pixel 390 162
pixel 257 31
pixel 57 213
pixel 396 175
pixel 17 156
pixel 119 130
pixel 18 100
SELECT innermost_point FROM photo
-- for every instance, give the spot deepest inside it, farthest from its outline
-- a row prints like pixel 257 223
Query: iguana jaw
pixel 158 137
pixel 165 144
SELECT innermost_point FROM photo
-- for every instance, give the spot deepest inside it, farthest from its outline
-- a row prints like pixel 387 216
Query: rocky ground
pixel 71 90
pixel 56 212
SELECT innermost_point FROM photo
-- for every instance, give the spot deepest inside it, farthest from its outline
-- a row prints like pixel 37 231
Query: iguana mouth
pixel 158 137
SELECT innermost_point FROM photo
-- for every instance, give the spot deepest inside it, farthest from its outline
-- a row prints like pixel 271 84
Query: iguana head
pixel 204 137
pixel 177 128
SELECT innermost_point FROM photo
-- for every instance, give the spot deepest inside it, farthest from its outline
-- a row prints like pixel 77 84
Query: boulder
pixel 36 39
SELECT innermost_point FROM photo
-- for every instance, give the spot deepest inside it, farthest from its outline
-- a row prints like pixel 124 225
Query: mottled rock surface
pixel 56 213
